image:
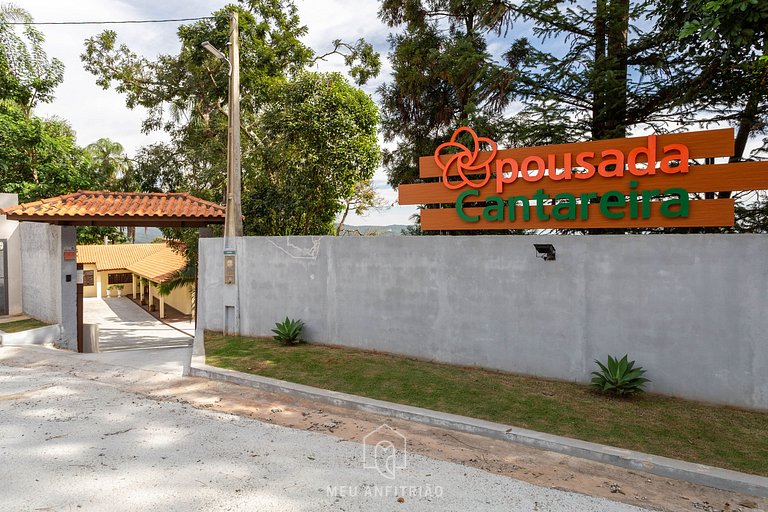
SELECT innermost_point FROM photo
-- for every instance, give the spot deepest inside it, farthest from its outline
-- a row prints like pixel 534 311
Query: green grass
pixel 21 325
pixel 725 437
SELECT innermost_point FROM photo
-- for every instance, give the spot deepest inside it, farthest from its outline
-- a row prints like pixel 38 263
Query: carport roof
pixel 159 266
pixel 104 208
pixel 116 257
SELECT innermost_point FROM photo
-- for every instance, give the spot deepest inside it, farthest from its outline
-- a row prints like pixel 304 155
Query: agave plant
pixel 288 332
pixel 619 377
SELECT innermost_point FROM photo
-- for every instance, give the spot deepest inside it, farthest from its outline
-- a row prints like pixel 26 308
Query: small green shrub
pixel 619 377
pixel 288 332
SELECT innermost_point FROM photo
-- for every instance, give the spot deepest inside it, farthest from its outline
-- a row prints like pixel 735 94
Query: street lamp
pixel 233 221
pixel 216 53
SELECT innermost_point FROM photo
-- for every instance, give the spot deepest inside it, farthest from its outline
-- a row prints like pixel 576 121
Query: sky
pixel 95 113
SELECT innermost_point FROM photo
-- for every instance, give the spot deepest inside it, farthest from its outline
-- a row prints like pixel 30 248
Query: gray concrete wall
pixel 9 230
pixel 41 245
pixel 692 309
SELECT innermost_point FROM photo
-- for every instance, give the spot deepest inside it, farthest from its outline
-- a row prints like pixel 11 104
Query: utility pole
pixel 233 221
pixel 233 226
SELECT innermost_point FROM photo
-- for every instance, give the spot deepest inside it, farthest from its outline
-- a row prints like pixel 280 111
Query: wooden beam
pixel 703 213
pixel 701 144
pixel 700 178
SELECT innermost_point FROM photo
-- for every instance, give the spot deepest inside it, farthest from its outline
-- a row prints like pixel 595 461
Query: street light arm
pixel 216 53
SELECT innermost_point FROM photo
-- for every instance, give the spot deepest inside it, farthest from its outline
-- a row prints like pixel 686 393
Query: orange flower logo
pixel 466 160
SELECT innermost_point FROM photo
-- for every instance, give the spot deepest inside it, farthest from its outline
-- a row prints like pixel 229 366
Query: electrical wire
pixel 121 22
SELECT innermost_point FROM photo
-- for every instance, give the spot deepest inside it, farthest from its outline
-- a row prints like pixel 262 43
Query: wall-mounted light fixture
pixel 545 251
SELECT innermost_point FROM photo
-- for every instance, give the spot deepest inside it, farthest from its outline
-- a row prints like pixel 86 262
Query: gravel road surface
pixel 68 442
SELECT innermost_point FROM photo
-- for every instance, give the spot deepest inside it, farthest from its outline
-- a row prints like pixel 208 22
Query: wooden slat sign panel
pixel 619 183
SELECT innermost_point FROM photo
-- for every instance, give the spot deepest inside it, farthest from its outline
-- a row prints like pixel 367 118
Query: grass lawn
pixel 21 325
pixel 719 436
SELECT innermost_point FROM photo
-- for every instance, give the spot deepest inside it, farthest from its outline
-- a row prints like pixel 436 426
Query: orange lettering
pixel 617 161
pixel 540 167
pixel 581 161
pixel 650 158
pixel 502 180
pixel 681 154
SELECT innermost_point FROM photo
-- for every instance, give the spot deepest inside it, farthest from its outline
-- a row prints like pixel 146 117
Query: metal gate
pixel 3 278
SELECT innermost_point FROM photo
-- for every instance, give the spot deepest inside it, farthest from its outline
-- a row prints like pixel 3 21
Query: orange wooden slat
pixel 700 178
pixel 702 213
pixel 701 144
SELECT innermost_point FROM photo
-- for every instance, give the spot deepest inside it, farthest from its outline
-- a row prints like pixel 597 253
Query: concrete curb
pixel 40 336
pixel 670 468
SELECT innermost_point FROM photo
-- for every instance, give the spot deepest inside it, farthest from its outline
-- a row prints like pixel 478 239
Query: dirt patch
pixel 538 467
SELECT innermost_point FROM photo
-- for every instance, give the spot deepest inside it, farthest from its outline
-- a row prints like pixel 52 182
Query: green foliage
pixel 38 157
pixel 598 70
pixel 27 77
pixel 111 168
pixel 307 138
pixel 619 377
pixel 94 235
pixel 319 140
pixel 288 332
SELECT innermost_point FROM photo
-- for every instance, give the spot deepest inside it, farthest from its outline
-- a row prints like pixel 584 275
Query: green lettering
pixel 633 199
pixel 647 196
pixel 612 199
pixel 460 206
pixel 568 203
pixel 524 203
pixel 681 203
pixel 585 200
pixel 540 197
pixel 495 208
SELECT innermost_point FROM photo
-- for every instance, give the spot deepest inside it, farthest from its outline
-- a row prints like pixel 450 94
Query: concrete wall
pixel 49 282
pixel 692 309
pixel 40 271
pixel 9 230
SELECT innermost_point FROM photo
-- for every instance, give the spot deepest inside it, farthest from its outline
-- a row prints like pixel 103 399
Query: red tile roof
pixel 87 207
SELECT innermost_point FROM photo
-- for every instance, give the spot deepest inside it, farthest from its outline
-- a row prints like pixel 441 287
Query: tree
pixel 363 199
pixel 38 157
pixel 725 43
pixel 27 77
pixel 319 140
pixel 619 66
pixel 726 48
pixel 95 235
pixel 186 96
pixel 111 166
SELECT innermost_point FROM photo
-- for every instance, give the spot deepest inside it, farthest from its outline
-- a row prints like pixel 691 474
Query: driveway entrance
pixel 124 325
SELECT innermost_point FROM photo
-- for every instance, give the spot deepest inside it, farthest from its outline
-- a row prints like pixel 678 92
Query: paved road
pixel 124 325
pixel 73 442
